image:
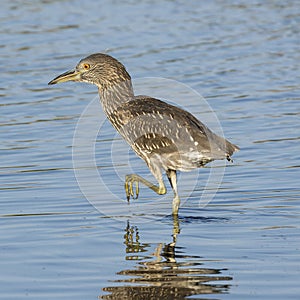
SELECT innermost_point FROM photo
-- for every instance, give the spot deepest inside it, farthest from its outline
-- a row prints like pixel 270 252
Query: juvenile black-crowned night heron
pixel 166 137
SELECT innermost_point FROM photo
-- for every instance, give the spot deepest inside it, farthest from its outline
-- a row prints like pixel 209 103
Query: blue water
pixel 58 242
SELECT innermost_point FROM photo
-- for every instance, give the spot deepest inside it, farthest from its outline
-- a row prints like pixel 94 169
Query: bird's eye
pixel 86 66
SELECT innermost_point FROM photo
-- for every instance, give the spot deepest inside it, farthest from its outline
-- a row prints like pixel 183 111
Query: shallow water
pixel 60 242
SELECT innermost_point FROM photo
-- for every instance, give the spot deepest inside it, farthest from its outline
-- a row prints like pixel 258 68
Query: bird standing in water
pixel 166 137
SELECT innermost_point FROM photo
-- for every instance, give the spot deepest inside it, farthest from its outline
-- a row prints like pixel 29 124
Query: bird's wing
pixel 156 126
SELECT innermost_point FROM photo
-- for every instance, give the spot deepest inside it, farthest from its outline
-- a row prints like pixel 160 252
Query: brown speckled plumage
pixel 167 137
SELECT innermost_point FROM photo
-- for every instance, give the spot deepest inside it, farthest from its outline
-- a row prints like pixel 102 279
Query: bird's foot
pixel 130 181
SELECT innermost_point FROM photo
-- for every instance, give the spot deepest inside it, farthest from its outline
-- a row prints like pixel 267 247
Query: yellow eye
pixel 86 66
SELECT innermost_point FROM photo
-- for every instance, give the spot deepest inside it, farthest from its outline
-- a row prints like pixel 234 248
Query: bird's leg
pixel 173 181
pixel 132 179
pixel 176 228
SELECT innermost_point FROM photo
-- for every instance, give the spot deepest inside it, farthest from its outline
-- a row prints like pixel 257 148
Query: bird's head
pixel 99 69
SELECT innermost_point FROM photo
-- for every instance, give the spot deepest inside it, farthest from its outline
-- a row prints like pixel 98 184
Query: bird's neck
pixel 114 95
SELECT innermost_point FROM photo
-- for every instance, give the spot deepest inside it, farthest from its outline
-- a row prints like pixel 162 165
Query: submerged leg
pixel 173 181
pixel 176 228
pixel 134 179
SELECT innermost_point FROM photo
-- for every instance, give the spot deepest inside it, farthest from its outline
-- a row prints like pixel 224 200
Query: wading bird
pixel 166 137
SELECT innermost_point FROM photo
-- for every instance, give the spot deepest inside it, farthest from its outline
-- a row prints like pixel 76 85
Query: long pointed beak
pixel 72 75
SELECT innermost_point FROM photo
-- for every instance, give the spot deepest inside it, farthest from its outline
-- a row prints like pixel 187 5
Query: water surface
pixel 243 58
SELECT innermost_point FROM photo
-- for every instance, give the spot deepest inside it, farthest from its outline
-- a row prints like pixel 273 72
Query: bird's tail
pixel 230 149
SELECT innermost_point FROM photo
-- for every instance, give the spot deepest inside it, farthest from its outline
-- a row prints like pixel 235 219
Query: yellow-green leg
pixel 132 180
pixel 176 228
pixel 173 181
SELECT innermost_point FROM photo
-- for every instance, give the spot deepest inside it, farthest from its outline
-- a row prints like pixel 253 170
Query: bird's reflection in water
pixel 168 273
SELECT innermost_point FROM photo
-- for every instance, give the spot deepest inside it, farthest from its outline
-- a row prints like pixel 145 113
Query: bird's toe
pixel 130 181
